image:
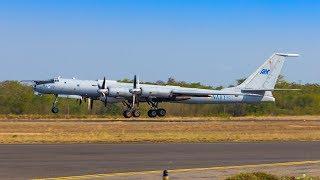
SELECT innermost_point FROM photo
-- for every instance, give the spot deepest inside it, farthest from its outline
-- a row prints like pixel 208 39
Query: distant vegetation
pixel 265 176
pixel 254 176
pixel 19 99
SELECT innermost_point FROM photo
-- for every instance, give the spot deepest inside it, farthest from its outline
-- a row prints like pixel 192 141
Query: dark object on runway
pixel 39 161
pixel 165 175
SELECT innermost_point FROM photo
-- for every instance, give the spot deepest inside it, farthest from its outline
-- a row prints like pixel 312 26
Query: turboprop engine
pixel 116 92
pixel 152 91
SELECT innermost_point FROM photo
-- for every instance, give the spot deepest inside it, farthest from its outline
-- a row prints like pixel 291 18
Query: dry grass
pixel 158 132
pixel 169 118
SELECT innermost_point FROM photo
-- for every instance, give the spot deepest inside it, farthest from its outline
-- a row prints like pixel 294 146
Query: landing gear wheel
pixel 127 113
pixel 55 110
pixel 161 112
pixel 136 113
pixel 152 113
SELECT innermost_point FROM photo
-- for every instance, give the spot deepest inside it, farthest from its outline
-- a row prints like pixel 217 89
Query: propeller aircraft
pixel 258 87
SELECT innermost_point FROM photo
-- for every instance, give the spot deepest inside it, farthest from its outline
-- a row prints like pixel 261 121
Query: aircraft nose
pixel 35 87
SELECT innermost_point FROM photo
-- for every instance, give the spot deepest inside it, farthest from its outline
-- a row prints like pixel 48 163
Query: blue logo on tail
pixel 265 71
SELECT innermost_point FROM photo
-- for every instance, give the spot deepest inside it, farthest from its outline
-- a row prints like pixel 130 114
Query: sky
pixel 213 42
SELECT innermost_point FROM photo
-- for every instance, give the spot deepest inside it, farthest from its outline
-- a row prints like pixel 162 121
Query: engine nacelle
pixel 116 92
pixel 156 92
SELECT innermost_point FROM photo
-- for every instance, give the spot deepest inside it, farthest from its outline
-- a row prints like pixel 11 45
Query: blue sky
pixel 212 42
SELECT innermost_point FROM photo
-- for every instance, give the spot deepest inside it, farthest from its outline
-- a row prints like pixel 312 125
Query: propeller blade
pixel 135 82
pixel 104 83
pixel 103 88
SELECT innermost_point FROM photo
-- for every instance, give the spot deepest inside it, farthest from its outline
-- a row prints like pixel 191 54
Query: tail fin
pixel 266 76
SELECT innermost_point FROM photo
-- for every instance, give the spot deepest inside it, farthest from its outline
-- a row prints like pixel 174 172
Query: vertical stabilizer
pixel 266 76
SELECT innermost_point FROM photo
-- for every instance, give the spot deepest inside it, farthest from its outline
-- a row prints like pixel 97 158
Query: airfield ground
pixel 170 130
pixel 146 161
pixel 200 148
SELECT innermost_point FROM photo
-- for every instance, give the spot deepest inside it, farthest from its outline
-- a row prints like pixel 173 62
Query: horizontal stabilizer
pixel 260 90
pixel 287 55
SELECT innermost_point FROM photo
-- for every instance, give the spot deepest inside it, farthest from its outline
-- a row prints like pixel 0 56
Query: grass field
pixel 243 129
pixel 169 118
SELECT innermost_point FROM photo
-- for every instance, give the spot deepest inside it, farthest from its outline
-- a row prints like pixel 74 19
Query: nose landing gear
pixel 55 109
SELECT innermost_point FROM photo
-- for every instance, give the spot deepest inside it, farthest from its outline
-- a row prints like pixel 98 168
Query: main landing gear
pixel 55 109
pixel 155 111
pixel 131 111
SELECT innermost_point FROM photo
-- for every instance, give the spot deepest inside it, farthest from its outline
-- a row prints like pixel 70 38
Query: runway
pixel 43 161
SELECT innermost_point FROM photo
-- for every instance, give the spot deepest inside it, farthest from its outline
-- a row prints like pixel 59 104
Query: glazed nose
pixel 35 87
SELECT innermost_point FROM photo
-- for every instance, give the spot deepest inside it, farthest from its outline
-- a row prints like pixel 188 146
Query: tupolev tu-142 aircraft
pixel 256 88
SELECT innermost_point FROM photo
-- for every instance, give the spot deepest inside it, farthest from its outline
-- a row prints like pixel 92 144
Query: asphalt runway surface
pixel 152 120
pixel 42 161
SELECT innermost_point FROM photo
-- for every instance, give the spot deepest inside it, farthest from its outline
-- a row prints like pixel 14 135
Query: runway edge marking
pixel 181 170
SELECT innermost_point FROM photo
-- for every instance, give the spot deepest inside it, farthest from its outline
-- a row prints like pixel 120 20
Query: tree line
pixel 19 99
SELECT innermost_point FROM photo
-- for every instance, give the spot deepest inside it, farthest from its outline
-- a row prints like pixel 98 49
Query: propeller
pixel 103 90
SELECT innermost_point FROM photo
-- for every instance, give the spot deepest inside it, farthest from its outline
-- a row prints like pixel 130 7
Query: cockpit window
pixel 45 81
